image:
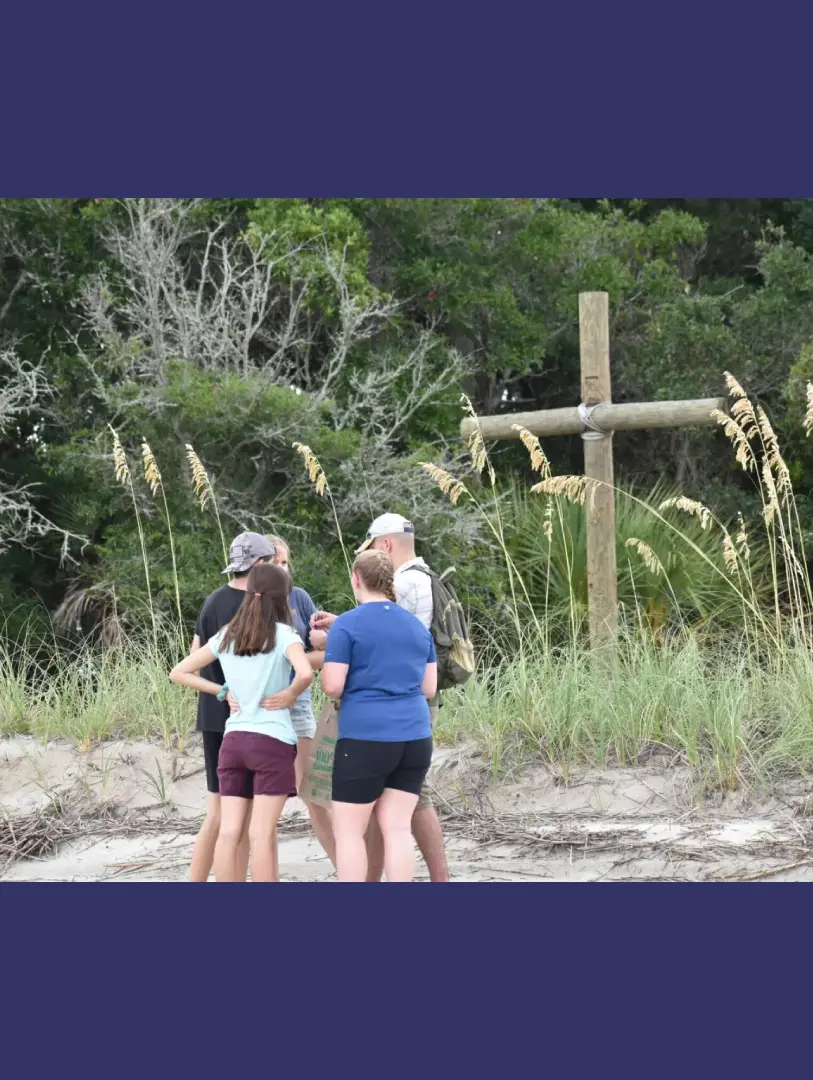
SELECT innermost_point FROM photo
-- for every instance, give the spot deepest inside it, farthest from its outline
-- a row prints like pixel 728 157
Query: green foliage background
pixel 696 287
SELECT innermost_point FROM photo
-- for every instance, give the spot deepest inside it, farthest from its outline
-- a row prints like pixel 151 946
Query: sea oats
pixel 734 387
pixel 730 555
pixel 773 455
pixel 741 539
pixel 476 445
pixel 573 488
pixel 743 412
pixel 451 487
pixel 809 411
pixel 122 469
pixel 772 504
pixel 547 527
pixel 689 506
pixel 651 560
pixel 737 436
pixel 316 474
pixel 152 473
pixel 200 478
pixel 539 463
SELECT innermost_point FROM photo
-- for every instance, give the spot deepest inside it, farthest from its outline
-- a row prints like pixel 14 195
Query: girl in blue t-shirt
pixel 257 651
pixel 380 660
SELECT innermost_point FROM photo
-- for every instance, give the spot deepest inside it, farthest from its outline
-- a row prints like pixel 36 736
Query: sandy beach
pixel 128 811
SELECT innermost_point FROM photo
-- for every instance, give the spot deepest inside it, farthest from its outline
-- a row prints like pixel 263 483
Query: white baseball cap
pixel 386 525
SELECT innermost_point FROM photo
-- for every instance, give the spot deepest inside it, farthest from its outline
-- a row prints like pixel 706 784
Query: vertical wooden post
pixel 602 587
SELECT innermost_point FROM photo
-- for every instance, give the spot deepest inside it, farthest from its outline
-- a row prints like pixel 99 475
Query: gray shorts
pixel 302 718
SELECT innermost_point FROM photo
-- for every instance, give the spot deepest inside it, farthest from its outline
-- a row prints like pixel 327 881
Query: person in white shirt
pixel 395 535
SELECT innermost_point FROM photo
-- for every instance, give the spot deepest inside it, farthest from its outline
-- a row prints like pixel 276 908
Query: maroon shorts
pixel 252 764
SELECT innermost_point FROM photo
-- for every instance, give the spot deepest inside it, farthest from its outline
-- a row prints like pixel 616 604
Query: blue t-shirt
pixel 387 650
pixel 251 678
pixel 302 607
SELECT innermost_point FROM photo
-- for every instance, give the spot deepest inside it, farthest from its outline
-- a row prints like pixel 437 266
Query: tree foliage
pixel 240 326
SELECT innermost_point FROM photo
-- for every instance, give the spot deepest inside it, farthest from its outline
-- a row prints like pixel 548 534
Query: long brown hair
pixel 375 570
pixel 254 628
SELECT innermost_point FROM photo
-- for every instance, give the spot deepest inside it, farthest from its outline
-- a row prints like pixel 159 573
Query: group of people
pixel 258 641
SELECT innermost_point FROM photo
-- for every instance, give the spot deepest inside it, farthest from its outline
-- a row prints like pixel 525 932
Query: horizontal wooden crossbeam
pixel 628 417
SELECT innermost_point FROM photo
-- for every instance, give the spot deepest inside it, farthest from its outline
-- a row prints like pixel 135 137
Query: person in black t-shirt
pixel 218 609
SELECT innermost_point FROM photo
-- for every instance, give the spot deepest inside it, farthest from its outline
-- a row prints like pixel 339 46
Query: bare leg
pixel 262 833
pixel 323 830
pixel 203 852
pixel 242 848
pixel 233 814
pixel 394 811
pixel 350 821
pixel 429 837
pixel 319 815
pixel 375 849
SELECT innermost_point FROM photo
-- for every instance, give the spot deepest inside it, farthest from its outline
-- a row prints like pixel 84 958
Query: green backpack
pixel 454 650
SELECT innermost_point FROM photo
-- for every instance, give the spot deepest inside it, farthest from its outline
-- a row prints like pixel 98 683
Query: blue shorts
pixel 302 718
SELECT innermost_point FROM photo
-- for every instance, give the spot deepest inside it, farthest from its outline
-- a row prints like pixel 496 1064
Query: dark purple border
pixel 421 100
pixel 671 980
pixel 425 100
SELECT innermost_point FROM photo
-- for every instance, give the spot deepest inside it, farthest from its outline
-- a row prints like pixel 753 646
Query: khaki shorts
pixel 425 799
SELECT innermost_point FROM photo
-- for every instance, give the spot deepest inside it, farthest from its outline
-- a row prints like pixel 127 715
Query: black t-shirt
pixel 218 609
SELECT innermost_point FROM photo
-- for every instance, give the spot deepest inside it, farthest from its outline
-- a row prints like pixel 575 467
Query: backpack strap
pixel 421 570
pixel 448 575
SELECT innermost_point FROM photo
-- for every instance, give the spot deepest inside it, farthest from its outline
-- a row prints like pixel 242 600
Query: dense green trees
pixel 353 325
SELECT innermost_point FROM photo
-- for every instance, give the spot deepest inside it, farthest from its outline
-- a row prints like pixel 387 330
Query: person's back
pixel 380 664
pixel 387 650
pixel 218 609
pixel 252 678
pixel 256 773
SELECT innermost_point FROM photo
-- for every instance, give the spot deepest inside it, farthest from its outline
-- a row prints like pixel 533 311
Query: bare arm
pixel 194 647
pixel 334 677
pixel 429 686
pixel 303 677
pixel 186 673
pixel 303 672
pixel 315 659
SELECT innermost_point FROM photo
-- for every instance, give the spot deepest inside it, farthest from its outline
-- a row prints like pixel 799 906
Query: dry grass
pixel 204 491
pixel 651 560
pixel 73 814
pixel 318 477
pixel 449 485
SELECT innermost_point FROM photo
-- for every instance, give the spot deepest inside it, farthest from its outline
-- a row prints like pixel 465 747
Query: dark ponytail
pixel 254 628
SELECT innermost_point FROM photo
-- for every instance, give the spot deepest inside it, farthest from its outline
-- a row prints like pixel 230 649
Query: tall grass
pixel 60 690
pixel 123 475
pixel 716 709
pixel 155 482
pixel 725 681
pixel 318 478
pixel 714 661
pixel 204 491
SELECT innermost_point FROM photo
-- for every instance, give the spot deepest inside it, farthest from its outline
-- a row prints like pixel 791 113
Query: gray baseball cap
pixel 246 549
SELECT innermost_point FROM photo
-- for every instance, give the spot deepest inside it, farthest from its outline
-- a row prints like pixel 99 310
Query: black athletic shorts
pixel 363 768
pixel 212 741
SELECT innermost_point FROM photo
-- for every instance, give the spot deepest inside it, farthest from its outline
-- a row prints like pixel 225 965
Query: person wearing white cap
pixel 395 535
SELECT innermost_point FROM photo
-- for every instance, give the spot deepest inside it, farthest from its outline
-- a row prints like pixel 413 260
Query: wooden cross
pixel 595 420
